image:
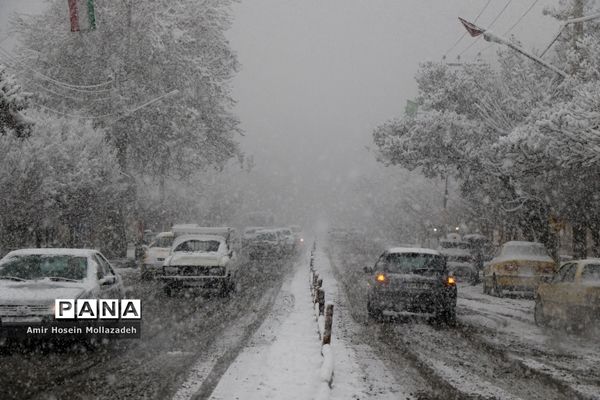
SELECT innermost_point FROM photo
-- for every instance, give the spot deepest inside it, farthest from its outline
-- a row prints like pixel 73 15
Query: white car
pixel 155 255
pixel 31 280
pixel 200 261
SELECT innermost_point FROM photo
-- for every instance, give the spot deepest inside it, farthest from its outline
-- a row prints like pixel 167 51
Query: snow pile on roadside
pixel 282 359
pixel 326 373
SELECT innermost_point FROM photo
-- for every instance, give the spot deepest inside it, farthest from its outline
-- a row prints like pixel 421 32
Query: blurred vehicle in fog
pixel 249 234
pixel 518 267
pixel 155 255
pixel 198 261
pixel 287 241
pixel 266 244
pixel 31 280
pixel 572 297
pixel 411 282
pixel 460 261
pixel 298 235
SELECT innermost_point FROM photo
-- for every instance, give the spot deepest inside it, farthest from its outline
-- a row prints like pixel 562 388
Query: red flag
pixel 73 17
pixel 473 29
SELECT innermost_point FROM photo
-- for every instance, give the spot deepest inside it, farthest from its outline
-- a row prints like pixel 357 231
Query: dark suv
pixel 409 282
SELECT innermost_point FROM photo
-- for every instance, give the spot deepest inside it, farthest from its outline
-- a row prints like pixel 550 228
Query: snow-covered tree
pixel 144 49
pixel 60 186
pixel 13 100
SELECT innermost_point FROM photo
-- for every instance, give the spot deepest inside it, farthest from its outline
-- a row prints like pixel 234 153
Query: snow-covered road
pixel 263 344
pixel 496 351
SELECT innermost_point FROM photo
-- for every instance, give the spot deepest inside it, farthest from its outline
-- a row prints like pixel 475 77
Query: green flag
pixel 91 14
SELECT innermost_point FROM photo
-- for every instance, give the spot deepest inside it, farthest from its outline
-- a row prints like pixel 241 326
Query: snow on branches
pixel 12 101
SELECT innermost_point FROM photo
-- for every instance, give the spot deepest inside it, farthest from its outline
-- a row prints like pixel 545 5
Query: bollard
pixel 314 286
pixel 321 300
pixel 312 261
pixel 320 283
pixel 328 323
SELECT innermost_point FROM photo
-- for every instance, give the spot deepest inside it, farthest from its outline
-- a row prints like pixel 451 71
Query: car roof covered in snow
pixel 203 238
pixel 584 261
pixel 53 252
pixel 522 243
pixel 164 234
pixel 420 250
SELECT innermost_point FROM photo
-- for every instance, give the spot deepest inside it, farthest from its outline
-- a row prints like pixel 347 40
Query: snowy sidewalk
pixel 282 359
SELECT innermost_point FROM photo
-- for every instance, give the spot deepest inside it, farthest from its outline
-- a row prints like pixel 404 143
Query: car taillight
pixel 451 281
pixel 381 278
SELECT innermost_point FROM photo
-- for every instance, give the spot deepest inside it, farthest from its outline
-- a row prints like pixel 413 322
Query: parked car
pixel 411 281
pixel 518 267
pixel 265 245
pixel 460 261
pixel 31 280
pixel 155 255
pixel 203 262
pixel 298 235
pixel 287 241
pixel 249 234
pixel 572 297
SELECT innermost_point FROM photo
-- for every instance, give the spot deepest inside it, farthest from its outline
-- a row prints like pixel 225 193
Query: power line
pixel 489 26
pixel 533 3
pixel 78 88
pixel 120 115
pixel 521 17
pixel 465 33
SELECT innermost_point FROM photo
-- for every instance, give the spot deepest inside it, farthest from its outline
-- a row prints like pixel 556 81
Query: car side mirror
pixel 368 270
pixel 107 281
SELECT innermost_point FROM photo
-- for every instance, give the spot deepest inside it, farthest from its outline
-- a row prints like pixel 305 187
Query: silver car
pixel 31 280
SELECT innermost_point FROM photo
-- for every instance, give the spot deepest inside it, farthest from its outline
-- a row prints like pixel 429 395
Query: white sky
pixel 318 75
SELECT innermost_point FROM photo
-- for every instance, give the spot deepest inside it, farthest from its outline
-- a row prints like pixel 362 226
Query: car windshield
pixel 464 258
pixel 452 244
pixel 33 267
pixel 591 273
pixel 198 246
pixel 267 236
pixel 163 242
pixel 408 263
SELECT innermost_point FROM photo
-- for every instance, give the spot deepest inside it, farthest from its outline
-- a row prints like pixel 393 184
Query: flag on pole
pixel 73 17
pixel 91 15
pixel 473 29
pixel 74 6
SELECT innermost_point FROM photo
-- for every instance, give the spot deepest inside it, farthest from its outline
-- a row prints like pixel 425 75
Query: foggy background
pixel 318 76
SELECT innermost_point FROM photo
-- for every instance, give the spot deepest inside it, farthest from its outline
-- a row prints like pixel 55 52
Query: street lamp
pixel 489 36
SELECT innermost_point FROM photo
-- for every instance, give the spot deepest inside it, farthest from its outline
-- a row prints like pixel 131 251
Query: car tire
pixel 448 317
pixel 486 288
pixel 374 314
pixel 538 313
